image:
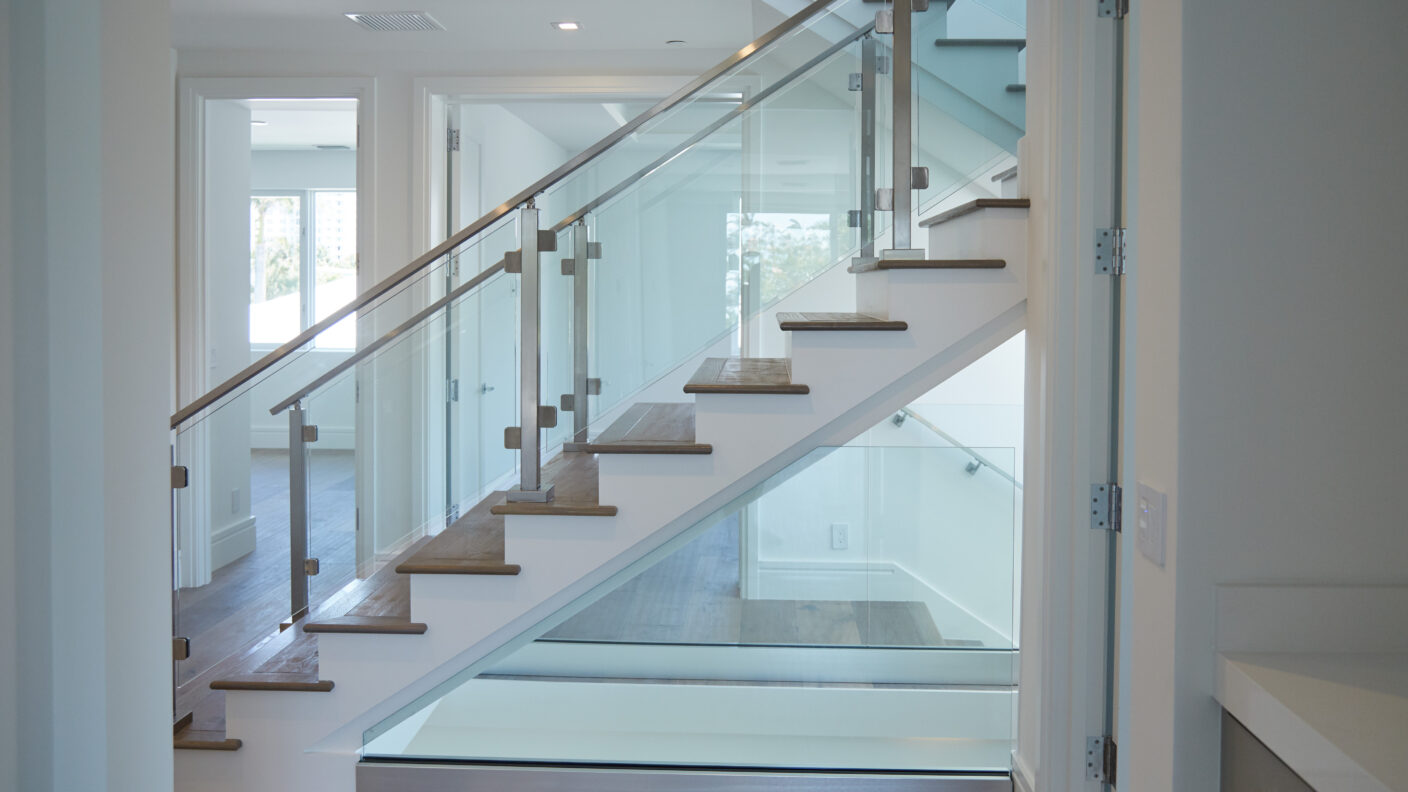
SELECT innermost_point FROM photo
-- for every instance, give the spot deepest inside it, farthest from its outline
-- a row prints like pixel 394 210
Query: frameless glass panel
pixel 231 526
pixel 332 491
pixel 868 628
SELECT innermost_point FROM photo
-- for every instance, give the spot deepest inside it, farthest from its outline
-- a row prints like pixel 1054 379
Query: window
pixel 303 264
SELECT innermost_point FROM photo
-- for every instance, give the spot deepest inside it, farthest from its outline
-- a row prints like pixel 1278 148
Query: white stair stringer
pixel 310 741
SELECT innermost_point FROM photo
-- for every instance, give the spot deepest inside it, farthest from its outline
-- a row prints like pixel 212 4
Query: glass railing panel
pixel 231 532
pixel 869 628
pixel 696 249
pixel 332 457
pixel 969 97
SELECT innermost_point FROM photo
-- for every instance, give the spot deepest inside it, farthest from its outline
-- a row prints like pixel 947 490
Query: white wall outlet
pixel 840 536
pixel 1149 517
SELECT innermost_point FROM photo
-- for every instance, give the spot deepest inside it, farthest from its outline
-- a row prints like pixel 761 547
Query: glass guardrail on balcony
pixel 855 610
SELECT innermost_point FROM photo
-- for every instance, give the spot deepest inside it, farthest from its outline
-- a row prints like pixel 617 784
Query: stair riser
pixel 968 296
pixel 986 233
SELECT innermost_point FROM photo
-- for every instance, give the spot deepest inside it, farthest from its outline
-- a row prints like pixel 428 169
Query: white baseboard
pixel 400 545
pixel 1023 780
pixel 330 438
pixel 231 543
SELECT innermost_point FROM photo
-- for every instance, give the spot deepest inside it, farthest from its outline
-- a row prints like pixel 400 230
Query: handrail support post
pixel 297 511
pixel 530 484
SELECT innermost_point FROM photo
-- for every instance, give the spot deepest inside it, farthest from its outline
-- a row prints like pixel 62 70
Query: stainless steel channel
pixel 397 777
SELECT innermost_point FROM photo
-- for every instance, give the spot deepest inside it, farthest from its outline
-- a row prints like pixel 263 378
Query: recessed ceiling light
pixel 259 123
pixel 676 42
pixel 567 26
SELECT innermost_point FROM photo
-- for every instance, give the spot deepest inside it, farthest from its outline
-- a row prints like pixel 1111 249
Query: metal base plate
pixel 905 254
pixel 531 496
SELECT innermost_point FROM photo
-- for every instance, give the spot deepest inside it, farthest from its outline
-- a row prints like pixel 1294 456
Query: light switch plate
pixel 1149 519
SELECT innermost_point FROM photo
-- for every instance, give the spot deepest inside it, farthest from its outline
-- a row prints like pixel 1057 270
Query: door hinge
pixel 452 390
pixel 180 477
pixel 1106 501
pixel 1110 255
pixel 1116 9
pixel 452 140
pixel 1100 759
pixel 310 566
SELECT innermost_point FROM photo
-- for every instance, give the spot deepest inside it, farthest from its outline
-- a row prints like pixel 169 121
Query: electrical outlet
pixel 1149 517
pixel 840 536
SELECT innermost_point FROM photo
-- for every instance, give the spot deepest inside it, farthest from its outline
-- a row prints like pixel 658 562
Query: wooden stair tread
pixel 973 206
pixel 981 42
pixel 926 264
pixel 198 740
pixel 473 545
pixel 745 375
pixel 370 625
pixel 285 682
pixel 650 428
pixel 574 479
pixel 810 320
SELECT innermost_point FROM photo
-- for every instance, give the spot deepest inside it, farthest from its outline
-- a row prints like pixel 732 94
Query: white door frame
pixel 192 292
pixel 1067 171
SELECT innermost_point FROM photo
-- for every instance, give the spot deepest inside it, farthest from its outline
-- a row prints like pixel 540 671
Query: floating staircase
pixel 296 720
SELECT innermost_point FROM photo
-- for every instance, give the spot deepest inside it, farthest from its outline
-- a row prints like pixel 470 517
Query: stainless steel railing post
pixel 297 511
pixel 530 483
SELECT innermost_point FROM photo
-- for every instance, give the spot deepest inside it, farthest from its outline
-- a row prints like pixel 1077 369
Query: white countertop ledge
pixel 1339 720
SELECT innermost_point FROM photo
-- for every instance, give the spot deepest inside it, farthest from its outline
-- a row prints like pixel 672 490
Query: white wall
pixel 92 115
pixel 1288 340
pixel 222 472
pixel 9 574
pixel 279 169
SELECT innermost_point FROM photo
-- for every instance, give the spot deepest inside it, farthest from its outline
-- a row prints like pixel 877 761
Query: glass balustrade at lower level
pixel 854 611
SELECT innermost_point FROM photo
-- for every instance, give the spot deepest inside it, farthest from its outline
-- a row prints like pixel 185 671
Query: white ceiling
pixel 518 28
pixel 302 123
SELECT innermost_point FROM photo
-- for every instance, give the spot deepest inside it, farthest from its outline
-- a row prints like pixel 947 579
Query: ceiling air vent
pixel 396 21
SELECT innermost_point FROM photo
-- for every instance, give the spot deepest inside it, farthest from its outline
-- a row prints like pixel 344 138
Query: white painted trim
pixel 1023 780
pixel 231 543
pixel 1068 175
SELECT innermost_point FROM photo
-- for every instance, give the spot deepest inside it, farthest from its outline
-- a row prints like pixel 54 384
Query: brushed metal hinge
pixel 1101 757
pixel 180 648
pixel 1112 9
pixel 452 140
pixel 310 433
pixel 310 566
pixel 1106 501
pixel 1110 254
pixel 452 390
pixel 180 477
